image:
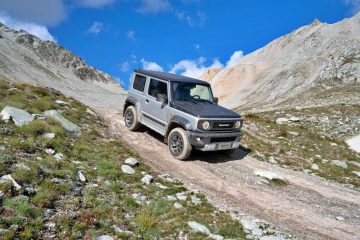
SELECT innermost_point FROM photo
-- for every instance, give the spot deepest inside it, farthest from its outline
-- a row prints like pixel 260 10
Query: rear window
pixel 157 87
pixel 139 83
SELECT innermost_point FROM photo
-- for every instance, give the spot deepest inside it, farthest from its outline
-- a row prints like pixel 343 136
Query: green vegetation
pixel 53 201
pixel 317 139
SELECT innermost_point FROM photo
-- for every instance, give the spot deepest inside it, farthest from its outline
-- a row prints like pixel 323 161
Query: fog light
pixel 236 145
pixel 198 139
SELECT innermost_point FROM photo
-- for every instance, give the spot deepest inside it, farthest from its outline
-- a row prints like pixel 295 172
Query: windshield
pixel 185 91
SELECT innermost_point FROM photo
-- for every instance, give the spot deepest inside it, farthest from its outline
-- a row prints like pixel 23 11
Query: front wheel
pixel 131 118
pixel 179 144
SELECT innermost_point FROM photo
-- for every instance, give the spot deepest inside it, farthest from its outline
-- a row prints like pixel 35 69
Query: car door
pixel 155 112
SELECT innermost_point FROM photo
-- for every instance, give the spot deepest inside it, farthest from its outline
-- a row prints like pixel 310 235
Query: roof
pixel 170 76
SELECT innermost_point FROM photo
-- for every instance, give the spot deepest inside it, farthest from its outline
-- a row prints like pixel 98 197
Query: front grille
pixel 223 125
pixel 222 139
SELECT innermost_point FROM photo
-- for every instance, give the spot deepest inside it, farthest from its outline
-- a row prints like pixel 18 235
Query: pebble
pixel 178 205
pixel 49 151
pixel 61 103
pixel 58 156
pixel 2 148
pixel 50 225
pixel 49 135
pixel 340 218
pixel 127 169
pixel 147 179
pixel 81 176
pixel 281 120
pixel 267 174
pixel 314 166
pixel 131 162
pixel 181 196
pixel 159 185
pixel 171 198
pixel 196 201
pixel 197 227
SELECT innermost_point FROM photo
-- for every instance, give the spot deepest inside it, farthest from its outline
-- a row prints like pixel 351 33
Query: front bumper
pixel 213 141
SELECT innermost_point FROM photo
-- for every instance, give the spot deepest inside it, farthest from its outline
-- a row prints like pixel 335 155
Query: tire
pixel 131 118
pixel 179 144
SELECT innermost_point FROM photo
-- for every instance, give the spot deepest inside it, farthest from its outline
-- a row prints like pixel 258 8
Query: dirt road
pixel 307 207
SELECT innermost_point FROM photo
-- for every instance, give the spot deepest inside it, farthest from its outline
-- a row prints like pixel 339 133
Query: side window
pixel 157 87
pixel 139 83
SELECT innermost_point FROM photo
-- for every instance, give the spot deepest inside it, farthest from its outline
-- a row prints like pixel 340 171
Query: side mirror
pixel 162 98
pixel 216 100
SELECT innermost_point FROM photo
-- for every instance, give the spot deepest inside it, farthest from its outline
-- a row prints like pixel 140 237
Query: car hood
pixel 204 109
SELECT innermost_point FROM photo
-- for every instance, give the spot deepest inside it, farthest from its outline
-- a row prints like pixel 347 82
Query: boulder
pixel 131 161
pixel 18 116
pixel 69 127
pixel 127 169
pixel 339 163
pixel 147 179
pixel 197 227
pixel 9 178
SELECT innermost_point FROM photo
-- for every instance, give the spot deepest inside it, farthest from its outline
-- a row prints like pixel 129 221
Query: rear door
pixel 138 90
pixel 156 113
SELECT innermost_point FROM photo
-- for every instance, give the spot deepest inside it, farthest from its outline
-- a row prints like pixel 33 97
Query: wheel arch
pixel 175 122
pixel 130 101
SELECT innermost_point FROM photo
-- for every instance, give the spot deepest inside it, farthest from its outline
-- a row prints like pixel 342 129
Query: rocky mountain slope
pixel 25 58
pixel 305 67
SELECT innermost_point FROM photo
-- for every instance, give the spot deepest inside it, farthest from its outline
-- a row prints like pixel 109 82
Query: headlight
pixel 237 124
pixel 205 125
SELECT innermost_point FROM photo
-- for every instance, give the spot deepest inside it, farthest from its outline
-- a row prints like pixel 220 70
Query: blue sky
pixel 183 36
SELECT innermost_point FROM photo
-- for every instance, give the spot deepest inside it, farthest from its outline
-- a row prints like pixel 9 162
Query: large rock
pixel 19 116
pixel 131 161
pixel 339 164
pixel 69 127
pixel 197 227
pixel 9 178
pixel 127 169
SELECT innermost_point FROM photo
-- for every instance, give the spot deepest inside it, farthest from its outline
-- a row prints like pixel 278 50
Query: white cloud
pixel 41 12
pixel 235 57
pixel 95 3
pixel 151 66
pixel 96 27
pixel 354 4
pixel 131 35
pixel 154 6
pixel 38 30
pixel 124 66
pixel 194 21
pixel 194 68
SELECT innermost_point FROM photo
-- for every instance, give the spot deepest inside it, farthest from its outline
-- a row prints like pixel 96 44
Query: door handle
pixel 147 100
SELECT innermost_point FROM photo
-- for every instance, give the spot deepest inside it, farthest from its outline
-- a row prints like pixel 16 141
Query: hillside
pixel 25 58
pixel 60 186
pixel 305 67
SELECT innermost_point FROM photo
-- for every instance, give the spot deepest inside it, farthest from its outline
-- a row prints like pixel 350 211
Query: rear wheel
pixel 131 118
pixel 179 144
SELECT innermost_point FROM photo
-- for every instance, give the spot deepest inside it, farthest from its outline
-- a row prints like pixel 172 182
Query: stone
pixel 294 133
pixel 61 102
pixel 131 162
pixel 167 177
pixel 354 143
pixel 340 218
pixel 339 163
pixel 91 112
pixel 9 178
pixel 267 174
pixel 49 135
pixel 159 185
pixel 356 173
pixel 105 237
pixel 22 166
pixel 68 126
pixel 50 225
pixel 272 160
pixel 119 230
pixel 171 198
pixel 18 116
pixel 30 190
pixel 355 163
pixel 178 205
pixel 2 148
pixel 127 169
pixel 314 166
pixel 81 176
pixel 7 158
pixel 181 196
pixel 281 120
pixel 50 151
pixel 58 156
pixel 294 119
pixel 147 179
pixel 197 227
pixel 196 201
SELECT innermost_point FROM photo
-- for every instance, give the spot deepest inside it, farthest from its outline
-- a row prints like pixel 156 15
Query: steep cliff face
pixel 26 58
pixel 317 57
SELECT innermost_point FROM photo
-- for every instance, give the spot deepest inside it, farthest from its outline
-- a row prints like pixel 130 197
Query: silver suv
pixel 183 110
